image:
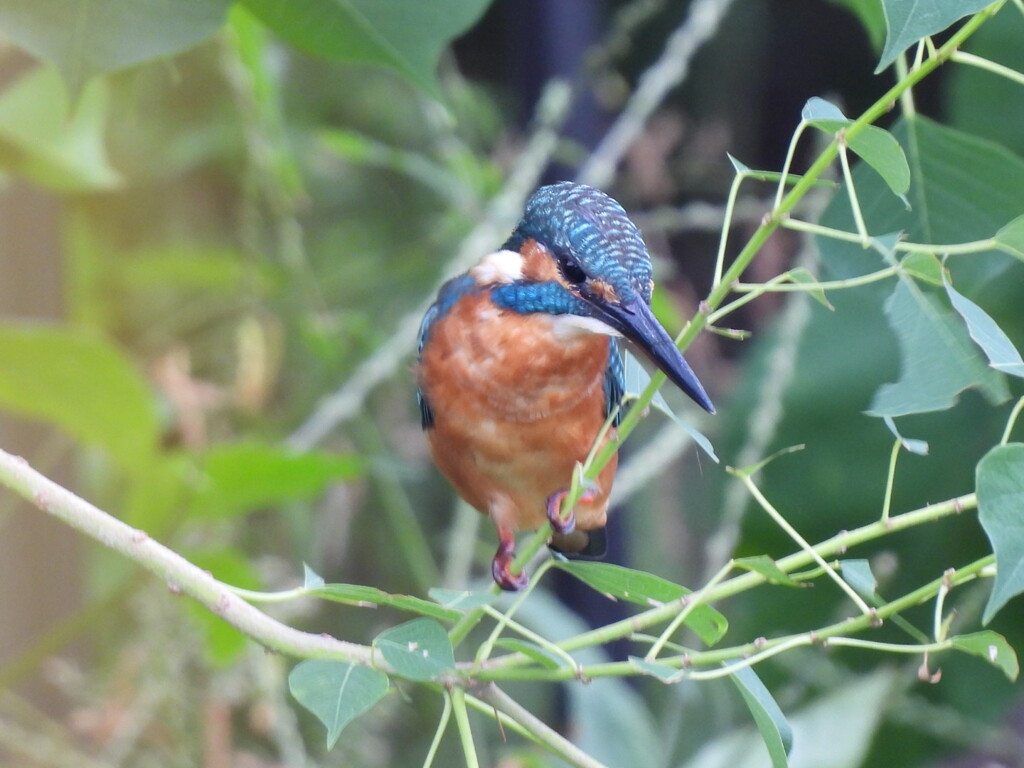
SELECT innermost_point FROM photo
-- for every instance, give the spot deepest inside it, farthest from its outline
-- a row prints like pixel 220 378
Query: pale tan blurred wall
pixel 38 555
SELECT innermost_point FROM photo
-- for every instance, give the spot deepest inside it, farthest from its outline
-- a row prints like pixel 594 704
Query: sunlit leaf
pixel 992 647
pixel 996 345
pixel 244 477
pixel 336 692
pixel 87 37
pixel 1000 489
pixel 406 36
pixel 938 359
pixel 42 139
pixel 81 383
pixel 909 22
pixel 648 590
pixel 417 650
pixel 358 594
pixel 771 722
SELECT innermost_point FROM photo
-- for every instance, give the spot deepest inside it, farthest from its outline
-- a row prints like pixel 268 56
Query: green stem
pixel 962 57
pixel 554 742
pixel 890 479
pixel 752 653
pixel 458 699
pixel 442 725
pixel 951 249
pixel 781 521
pixel 1012 421
pixel 745 581
pixel 771 223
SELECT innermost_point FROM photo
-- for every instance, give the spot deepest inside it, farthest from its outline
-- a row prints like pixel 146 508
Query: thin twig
pixel 179 574
pixel 666 73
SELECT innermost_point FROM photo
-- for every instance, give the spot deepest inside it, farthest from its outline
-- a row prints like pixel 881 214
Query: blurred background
pixel 219 260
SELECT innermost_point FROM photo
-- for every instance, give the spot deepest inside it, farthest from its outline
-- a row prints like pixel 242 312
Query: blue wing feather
pixel 450 293
pixel 614 381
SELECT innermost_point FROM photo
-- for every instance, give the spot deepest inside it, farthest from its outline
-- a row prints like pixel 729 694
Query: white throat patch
pixel 498 267
pixel 570 326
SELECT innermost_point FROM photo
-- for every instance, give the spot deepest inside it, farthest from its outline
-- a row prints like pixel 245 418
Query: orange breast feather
pixel 514 409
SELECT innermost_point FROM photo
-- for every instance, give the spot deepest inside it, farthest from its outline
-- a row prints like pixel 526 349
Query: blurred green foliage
pixel 242 226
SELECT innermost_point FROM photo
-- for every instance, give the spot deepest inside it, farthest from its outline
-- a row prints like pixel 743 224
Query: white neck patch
pixel 572 326
pixel 498 267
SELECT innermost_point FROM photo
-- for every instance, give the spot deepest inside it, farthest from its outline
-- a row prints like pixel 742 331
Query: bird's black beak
pixel 634 320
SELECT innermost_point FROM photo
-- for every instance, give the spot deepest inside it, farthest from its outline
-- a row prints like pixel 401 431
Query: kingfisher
pixel 519 367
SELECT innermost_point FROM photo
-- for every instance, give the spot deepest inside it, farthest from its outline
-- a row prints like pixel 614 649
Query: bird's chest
pixel 491 363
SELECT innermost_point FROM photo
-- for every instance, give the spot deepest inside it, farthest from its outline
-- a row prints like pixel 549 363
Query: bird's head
pixel 584 240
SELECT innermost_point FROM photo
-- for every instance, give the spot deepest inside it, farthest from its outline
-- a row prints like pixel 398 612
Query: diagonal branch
pixel 180 575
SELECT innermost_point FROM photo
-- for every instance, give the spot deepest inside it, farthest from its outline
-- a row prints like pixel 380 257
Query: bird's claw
pixel 565 524
pixel 501 565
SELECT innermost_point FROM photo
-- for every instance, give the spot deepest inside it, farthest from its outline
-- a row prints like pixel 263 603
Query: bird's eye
pixel 571 270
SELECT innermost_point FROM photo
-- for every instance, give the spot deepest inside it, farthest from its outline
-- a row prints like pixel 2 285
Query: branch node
pixel 876 620
pixel 138 536
pixel 41 498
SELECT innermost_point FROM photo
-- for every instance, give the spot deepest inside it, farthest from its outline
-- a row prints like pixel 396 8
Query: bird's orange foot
pixel 565 524
pixel 501 565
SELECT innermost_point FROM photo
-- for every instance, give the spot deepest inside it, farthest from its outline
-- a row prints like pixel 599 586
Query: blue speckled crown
pixel 592 228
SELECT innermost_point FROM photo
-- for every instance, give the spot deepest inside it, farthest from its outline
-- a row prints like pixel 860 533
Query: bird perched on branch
pixel 519 366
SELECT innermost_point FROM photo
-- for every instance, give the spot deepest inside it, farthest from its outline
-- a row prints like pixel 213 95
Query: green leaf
pixel 224 643
pixel 1000 488
pixel 909 22
pixel 875 146
pixel 803 276
pixel 647 590
pixel 938 359
pixel 81 383
pixel 857 573
pixel 406 36
pixel 1011 238
pixel 417 650
pixel 992 647
pixel 244 477
pixel 834 731
pixel 915 446
pixel 637 379
pixel 996 345
pixel 44 141
pixel 311 579
pixel 358 594
pixel 772 724
pixel 768 568
pixel 336 692
pixel 87 37
pixel 820 112
pixel 962 189
pixel 461 600
pixel 923 266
